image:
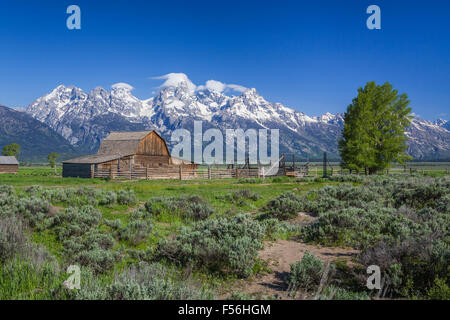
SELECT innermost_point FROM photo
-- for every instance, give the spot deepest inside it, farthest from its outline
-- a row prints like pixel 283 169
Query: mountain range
pixel 35 138
pixel 83 119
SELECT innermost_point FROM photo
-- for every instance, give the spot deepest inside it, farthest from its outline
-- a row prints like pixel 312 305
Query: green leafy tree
pixel 11 150
pixel 373 134
pixel 52 157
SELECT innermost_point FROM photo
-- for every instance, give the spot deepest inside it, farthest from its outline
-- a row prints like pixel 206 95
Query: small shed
pixel 9 164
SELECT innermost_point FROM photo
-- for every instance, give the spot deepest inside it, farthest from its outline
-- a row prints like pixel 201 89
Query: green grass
pixel 216 192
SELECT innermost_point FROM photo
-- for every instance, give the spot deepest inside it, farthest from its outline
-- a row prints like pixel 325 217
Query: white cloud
pixel 218 86
pixel 214 85
pixel 122 85
pixel 237 87
pixel 174 79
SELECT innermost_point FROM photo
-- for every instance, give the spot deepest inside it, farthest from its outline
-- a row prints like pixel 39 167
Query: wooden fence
pixel 176 172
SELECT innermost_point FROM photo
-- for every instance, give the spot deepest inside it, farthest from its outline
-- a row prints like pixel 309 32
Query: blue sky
pixel 309 55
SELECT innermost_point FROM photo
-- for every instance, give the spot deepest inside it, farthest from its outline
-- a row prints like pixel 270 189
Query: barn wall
pixel 124 163
pixel 152 145
pixel 151 161
pixel 9 168
pixel 76 170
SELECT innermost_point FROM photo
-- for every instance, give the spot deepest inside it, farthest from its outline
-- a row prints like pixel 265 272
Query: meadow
pixel 210 239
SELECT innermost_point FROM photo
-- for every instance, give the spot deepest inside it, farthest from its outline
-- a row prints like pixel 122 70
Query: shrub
pixel 136 231
pixel 7 191
pixel 284 207
pixel 190 207
pixel 12 237
pixel 142 282
pixel 220 245
pixel 306 273
pixel 410 266
pixel 108 198
pixel 249 180
pixel 338 293
pixel 126 197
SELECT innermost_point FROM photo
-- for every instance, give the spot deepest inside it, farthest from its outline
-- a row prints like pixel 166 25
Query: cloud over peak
pixel 175 79
pixel 122 85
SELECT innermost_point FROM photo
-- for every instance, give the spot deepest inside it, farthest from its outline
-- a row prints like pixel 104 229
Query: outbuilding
pixel 9 164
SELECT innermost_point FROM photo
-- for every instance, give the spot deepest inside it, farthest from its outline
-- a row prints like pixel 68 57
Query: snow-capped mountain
pixel 84 119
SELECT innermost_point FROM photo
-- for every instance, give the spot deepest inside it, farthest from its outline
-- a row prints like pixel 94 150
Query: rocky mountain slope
pixel 35 138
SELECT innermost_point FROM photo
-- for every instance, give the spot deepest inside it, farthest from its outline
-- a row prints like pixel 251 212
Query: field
pixel 273 238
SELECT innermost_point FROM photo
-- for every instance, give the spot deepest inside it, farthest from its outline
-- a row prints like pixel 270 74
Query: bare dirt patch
pixel 278 256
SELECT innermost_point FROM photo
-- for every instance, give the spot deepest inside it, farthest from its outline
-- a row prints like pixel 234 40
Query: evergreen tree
pixel 373 134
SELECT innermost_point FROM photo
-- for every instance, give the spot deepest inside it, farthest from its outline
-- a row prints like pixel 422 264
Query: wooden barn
pixel 8 164
pixel 125 151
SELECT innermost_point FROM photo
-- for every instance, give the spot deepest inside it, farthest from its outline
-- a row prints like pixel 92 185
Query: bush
pixel 136 231
pixel 190 207
pixel 410 266
pixel 6 191
pixel 126 197
pixel 142 282
pixel 12 237
pixel 108 198
pixel 306 273
pixel 337 293
pixel 220 245
pixel 284 207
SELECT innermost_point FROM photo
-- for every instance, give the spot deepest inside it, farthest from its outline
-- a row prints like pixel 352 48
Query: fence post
pixel 181 172
pixel 146 172
pixel 237 172
pixel 92 171
pixel 263 173
pixel 131 170
pixel 110 173
pixel 209 172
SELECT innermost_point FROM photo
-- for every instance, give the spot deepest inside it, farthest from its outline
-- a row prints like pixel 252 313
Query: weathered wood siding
pixel 151 161
pixel 9 168
pixel 153 145
pixel 77 170
pixel 124 162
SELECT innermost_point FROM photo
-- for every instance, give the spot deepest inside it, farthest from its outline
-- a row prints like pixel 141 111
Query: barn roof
pixel 8 160
pixel 94 159
pixel 125 143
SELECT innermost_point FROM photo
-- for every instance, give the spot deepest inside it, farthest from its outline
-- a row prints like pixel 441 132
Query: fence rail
pixel 175 172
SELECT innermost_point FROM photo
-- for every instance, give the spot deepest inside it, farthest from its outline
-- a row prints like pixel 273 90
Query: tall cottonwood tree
pixel 373 134
pixel 12 150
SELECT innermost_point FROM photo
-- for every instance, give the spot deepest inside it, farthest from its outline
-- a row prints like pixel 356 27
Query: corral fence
pixel 176 172
pixel 181 172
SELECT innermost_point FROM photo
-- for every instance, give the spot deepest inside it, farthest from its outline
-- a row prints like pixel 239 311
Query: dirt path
pixel 279 255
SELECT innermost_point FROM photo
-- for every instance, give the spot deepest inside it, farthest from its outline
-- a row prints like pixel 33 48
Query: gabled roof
pixel 8 160
pixel 124 143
